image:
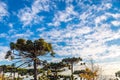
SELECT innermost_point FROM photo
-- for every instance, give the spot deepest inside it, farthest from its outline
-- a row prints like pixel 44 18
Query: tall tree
pixel 14 70
pixel 55 68
pixel 29 51
pixel 3 70
pixel 71 62
pixel 117 74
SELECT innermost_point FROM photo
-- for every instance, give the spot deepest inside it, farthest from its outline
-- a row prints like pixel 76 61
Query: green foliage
pixel 117 74
pixel 43 77
pixel 56 65
pixel 31 48
pixel 54 68
pixel 8 55
pixel 12 45
pixel 30 51
pixel 79 72
pixel 72 60
pixel 20 71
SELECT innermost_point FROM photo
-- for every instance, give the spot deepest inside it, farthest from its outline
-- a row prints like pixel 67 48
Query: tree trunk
pixel 72 72
pixel 14 75
pixel 18 76
pixel 35 69
pixel 3 76
pixel 56 74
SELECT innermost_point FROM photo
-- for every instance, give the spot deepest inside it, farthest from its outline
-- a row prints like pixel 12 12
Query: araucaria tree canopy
pixel 30 51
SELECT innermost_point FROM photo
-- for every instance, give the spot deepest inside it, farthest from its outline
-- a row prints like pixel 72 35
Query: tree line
pixel 28 52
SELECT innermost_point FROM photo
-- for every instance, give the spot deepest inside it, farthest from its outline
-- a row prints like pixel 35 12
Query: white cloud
pixel 110 68
pixel 104 6
pixel 2 56
pixel 116 23
pixel 100 18
pixel 88 37
pixel 55 60
pixel 101 34
pixel 63 16
pixel 40 29
pixel 113 52
pixel 114 15
pixel 40 5
pixel 10 25
pixel 29 16
pixel 26 34
pixel 3 50
pixel 85 41
pixel 108 5
pixel 3 35
pixel 12 31
pixel 3 10
pixel 84 16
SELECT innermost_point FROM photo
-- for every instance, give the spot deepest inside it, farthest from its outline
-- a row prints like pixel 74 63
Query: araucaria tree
pixel 71 62
pixel 30 51
pixel 117 74
pixel 55 68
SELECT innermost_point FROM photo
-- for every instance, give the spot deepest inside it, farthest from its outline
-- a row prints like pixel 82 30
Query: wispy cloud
pixel 100 18
pixel 116 23
pixel 29 15
pixel 86 38
pixel 3 35
pixel 3 10
pixel 3 50
pixel 63 16
pixel 26 34
pixel 114 15
pixel 10 25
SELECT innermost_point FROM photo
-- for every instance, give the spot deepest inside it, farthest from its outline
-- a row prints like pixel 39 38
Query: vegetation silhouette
pixel 70 62
pixel 30 51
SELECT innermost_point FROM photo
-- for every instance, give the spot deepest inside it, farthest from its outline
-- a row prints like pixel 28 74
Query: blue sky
pixel 85 28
